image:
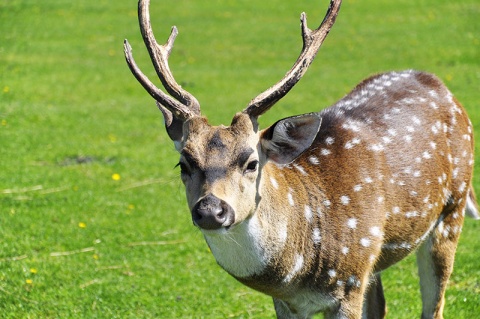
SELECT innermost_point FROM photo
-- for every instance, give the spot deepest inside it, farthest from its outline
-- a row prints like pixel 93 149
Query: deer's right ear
pixel 285 140
pixel 173 126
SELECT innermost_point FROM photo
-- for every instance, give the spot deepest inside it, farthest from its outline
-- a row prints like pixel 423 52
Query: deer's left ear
pixel 288 138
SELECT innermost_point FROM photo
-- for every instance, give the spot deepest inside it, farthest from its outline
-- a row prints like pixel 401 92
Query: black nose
pixel 212 213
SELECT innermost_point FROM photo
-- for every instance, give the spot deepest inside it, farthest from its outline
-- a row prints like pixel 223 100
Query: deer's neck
pixel 269 239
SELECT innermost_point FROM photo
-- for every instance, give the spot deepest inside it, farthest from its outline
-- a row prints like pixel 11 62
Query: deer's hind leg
pixel 435 258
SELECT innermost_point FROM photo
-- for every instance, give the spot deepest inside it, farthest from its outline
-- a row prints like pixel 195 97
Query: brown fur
pixel 381 179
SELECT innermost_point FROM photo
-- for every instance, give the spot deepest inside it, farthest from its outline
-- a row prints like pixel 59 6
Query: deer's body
pixel 382 177
pixel 313 208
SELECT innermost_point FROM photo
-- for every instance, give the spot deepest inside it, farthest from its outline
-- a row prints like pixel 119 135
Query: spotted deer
pixel 313 208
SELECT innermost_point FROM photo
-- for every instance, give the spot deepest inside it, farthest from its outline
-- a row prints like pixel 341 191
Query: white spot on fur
pixel 329 140
pixel 440 226
pixel 282 231
pixel 455 172
pixel 352 223
pixel 365 242
pixel 446 231
pixel 352 143
pixel 426 199
pixel 377 147
pixel 290 198
pixel 462 187
pixel 376 232
pixel 317 237
pixel 357 188
pixel 386 139
pixel 296 268
pixel 411 214
pixel 392 132
pixel 332 273
pixel 308 213
pixel 274 182
pixel 394 246
pixel 353 281
pixel 351 126
pixel 300 169
pixel 345 200
pixel 416 120
pixel 325 152
pixel 314 160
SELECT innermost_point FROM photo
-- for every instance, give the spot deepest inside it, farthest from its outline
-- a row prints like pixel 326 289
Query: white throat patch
pixel 242 250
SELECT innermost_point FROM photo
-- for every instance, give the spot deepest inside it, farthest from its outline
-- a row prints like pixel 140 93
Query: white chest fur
pixel 243 250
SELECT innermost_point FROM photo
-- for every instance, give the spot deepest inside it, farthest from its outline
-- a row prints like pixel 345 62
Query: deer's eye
pixel 183 168
pixel 251 167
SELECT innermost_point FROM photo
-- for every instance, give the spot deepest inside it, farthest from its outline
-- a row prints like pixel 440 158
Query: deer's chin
pixel 222 231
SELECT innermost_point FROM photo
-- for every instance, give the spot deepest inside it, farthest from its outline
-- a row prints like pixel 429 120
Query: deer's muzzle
pixel 212 213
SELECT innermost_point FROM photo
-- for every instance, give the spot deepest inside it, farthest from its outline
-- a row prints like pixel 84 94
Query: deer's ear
pixel 288 138
pixel 173 125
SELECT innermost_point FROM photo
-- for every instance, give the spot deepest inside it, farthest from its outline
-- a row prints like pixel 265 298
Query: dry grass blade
pixel 89 283
pixel 15 258
pixel 153 243
pixel 21 190
pixel 72 252
pixel 53 190
pixel 37 188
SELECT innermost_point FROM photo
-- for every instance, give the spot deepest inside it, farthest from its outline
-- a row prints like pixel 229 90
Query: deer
pixel 312 209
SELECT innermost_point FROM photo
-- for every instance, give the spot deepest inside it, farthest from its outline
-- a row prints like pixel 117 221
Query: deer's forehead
pixel 207 143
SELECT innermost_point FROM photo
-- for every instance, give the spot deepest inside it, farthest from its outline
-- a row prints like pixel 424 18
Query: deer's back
pixel 393 155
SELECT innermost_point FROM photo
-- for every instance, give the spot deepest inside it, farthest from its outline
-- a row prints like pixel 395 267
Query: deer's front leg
pixel 374 305
pixel 283 311
pixel 350 306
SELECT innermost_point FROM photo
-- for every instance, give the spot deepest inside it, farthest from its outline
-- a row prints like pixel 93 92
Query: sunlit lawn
pixel 93 220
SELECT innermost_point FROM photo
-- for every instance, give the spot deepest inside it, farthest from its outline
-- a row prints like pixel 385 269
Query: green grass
pixel 72 115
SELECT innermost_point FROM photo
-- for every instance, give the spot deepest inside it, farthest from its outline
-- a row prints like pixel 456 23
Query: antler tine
pixel 183 105
pixel 178 109
pixel 312 40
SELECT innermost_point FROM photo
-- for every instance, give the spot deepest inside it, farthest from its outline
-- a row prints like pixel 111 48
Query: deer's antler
pixel 312 40
pixel 183 105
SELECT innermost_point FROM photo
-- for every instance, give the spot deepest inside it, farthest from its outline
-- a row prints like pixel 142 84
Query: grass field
pixel 93 220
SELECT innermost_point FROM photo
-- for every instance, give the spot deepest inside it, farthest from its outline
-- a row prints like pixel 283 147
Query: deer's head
pixel 221 167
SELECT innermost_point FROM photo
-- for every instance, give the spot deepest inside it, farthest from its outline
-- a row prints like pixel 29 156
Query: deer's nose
pixel 212 213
